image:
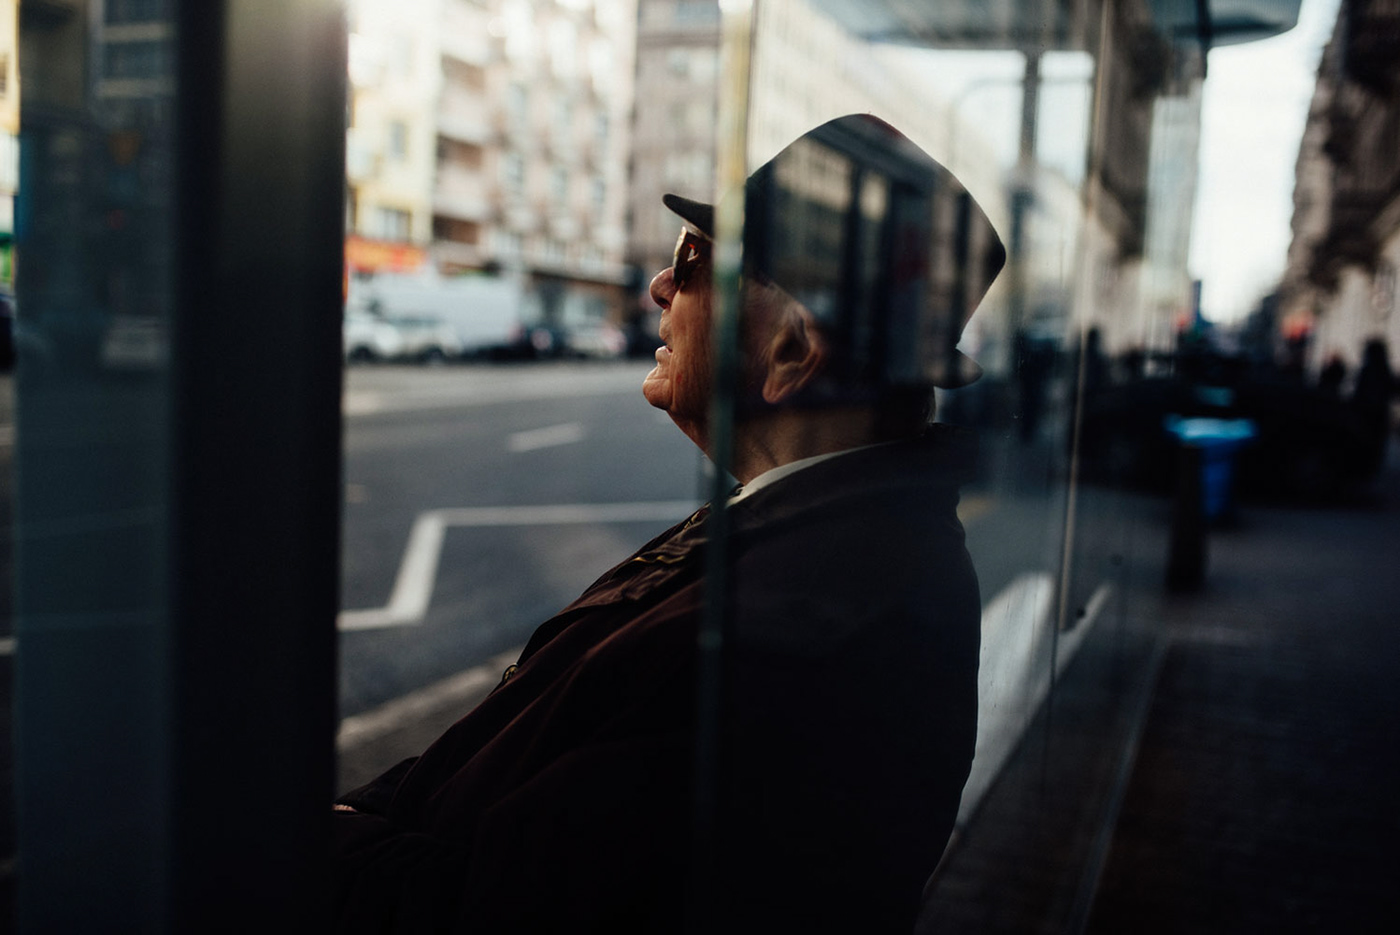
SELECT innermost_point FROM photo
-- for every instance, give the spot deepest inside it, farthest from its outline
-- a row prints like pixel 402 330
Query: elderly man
pixel 565 800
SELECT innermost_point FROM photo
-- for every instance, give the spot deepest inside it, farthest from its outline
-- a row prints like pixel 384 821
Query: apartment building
pixel 395 79
pixel 492 135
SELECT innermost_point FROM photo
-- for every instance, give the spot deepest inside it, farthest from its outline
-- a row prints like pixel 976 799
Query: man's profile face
pixel 680 383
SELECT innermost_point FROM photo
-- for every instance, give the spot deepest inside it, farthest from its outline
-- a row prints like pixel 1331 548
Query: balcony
pixel 460 194
pixel 465 127
pixel 471 44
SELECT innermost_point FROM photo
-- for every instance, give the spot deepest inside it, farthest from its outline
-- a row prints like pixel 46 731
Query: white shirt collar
pixel 772 475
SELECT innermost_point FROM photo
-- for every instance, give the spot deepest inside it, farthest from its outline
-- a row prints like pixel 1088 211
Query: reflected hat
pixel 879 241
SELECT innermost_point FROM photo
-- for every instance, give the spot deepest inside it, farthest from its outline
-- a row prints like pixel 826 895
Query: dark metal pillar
pixel 179 248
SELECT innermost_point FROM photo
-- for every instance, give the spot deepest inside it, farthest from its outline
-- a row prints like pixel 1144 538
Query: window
pixel 563 115
pixel 398 140
pixel 517 104
pixel 147 59
pixel 508 244
pixel 697 12
pixel 559 185
pixel 392 224
pixel 513 173
pixel 137 11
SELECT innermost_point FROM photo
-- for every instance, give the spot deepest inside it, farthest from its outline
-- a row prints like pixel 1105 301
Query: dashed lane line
pixel 547 437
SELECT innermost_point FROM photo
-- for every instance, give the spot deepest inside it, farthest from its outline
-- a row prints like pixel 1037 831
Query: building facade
pixel 492 135
pixel 1339 289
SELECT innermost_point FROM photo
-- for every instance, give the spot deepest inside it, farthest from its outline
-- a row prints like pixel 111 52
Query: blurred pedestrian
pixel 1371 399
pixel 1329 379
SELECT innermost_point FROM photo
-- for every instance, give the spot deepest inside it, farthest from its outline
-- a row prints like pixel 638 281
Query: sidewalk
pixel 1252 779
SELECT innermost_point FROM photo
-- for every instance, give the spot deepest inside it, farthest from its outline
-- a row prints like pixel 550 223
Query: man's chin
pixel 655 389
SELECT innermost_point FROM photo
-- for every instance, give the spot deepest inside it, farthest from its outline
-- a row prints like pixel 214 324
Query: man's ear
pixel 795 355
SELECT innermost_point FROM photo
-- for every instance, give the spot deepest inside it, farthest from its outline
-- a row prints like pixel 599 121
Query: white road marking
pixel 453 691
pixel 7 646
pixel 371 391
pixel 547 437
pixel 413 588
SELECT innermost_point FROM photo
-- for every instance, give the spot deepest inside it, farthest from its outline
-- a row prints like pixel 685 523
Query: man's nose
pixel 663 288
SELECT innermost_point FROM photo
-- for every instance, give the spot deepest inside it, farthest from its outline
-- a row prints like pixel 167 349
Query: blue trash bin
pixel 1218 440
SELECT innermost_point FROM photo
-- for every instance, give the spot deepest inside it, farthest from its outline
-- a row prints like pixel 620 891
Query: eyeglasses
pixel 692 250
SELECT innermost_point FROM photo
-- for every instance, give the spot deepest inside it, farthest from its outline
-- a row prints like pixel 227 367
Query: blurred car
pixel 427 340
pixel 597 340
pixel 370 337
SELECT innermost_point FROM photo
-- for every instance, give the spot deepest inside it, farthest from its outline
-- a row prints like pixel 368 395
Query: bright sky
pixel 1255 104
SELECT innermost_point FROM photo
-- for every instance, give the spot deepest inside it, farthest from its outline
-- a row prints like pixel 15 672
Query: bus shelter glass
pixel 992 211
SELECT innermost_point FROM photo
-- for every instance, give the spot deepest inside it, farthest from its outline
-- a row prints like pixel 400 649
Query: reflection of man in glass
pixel 564 802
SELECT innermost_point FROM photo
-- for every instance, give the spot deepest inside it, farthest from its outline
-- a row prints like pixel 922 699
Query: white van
pixel 484 313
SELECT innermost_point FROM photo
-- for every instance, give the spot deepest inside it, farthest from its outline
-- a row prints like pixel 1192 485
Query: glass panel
pixel 908 284
pixel 172 459
pixel 961 213
pixel 91 476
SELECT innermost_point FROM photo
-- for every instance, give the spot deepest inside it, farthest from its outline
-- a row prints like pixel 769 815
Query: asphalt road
pixel 454 438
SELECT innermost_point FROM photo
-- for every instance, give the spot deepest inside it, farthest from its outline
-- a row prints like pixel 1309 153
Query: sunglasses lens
pixel 685 261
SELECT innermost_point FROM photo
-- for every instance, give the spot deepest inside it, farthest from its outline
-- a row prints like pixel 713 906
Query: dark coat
pixel 564 802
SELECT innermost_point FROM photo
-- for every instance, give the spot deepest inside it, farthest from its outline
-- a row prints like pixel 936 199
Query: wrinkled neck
pixel 786 435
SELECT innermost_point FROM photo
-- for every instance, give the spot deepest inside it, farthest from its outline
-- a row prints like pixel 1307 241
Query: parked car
pixel 427 340
pixel 370 337
pixel 485 314
pixel 598 340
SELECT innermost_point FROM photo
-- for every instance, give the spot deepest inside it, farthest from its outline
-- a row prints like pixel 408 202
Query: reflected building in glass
pixel 806 70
